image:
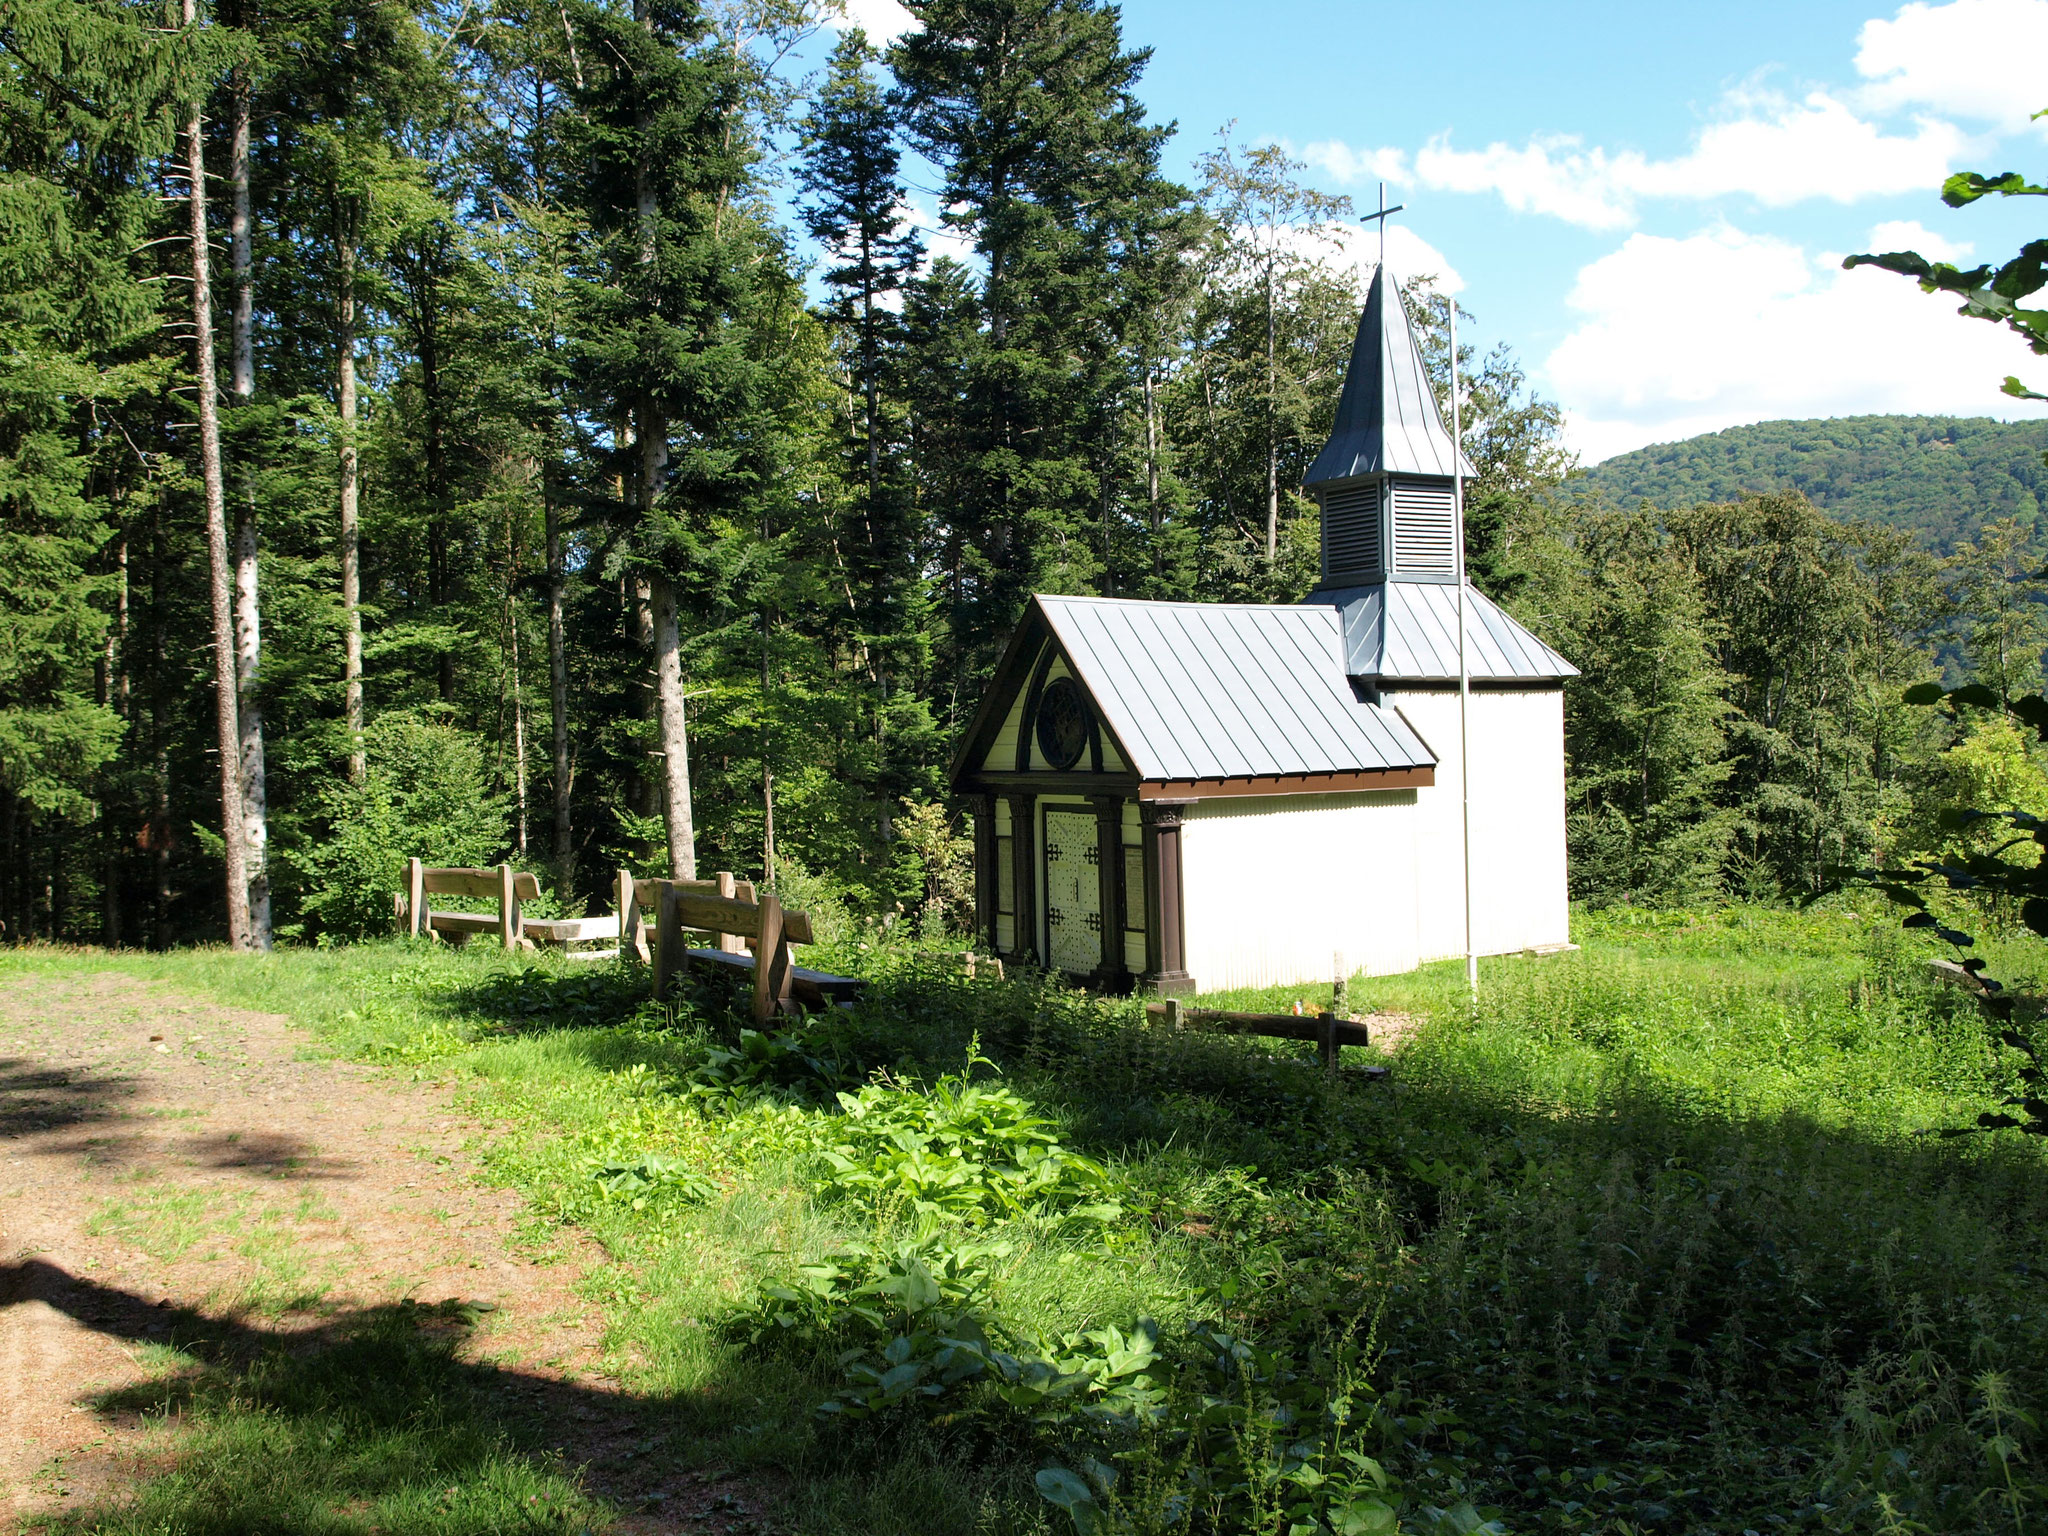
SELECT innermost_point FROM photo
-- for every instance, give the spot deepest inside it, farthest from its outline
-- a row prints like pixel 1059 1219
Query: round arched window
pixel 1062 722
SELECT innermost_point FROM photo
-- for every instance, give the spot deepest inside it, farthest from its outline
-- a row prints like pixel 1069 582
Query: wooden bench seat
pixel 515 930
pixel 814 989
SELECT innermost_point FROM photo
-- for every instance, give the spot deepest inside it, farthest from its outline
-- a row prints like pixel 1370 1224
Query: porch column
pixel 1024 864
pixel 1112 975
pixel 1165 931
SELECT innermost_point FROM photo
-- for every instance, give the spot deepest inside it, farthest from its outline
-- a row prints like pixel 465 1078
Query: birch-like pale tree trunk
pixel 224 685
pixel 675 740
pixel 519 782
pixel 248 606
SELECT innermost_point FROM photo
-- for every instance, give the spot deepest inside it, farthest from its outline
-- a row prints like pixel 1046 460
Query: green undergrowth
pixel 1646 1240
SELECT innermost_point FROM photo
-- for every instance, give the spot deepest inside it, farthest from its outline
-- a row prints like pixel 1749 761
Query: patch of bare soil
pixel 172 1169
pixel 1390 1031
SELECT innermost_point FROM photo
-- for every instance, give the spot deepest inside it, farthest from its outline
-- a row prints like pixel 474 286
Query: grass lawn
pixel 1648 1242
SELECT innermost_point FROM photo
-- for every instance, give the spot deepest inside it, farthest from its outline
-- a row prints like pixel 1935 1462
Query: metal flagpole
pixel 1464 667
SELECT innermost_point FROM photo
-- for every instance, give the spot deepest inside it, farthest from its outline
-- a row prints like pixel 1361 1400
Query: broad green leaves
pixel 1988 293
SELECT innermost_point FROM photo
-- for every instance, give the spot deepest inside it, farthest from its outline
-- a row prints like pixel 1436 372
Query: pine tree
pixel 1029 108
pixel 672 355
pixel 850 170
pixel 82 327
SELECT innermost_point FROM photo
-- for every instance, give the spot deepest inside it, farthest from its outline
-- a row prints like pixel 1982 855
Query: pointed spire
pixel 1387 421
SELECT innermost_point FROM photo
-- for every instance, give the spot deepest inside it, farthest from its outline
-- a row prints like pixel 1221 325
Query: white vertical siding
pixel 1275 886
pixel 1002 753
pixel 1518 852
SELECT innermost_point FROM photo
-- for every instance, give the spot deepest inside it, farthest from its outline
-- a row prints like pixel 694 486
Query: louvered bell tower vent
pixel 1425 529
pixel 1351 533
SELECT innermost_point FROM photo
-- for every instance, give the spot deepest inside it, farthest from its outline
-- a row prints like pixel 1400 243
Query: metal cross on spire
pixel 1382 216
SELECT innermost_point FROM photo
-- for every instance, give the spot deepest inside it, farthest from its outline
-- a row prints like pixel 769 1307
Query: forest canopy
pixel 550 437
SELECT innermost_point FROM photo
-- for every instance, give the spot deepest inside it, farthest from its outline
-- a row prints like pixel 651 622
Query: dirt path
pixel 162 1158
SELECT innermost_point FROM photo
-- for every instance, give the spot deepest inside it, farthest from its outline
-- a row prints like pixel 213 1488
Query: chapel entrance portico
pixel 1075 866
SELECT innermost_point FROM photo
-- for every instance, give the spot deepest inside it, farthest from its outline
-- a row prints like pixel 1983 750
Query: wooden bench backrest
pixel 479 883
pixel 502 885
pixel 647 893
pixel 733 916
pixel 699 906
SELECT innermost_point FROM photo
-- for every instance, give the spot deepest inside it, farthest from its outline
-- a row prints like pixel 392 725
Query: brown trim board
pixel 1076 782
pixel 1288 784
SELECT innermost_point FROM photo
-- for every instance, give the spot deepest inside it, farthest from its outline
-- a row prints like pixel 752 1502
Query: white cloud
pixel 1350 165
pixel 883 20
pixel 1682 336
pixel 1767 147
pixel 1782 152
pixel 1356 248
pixel 1550 175
pixel 1912 235
pixel 1408 255
pixel 1978 59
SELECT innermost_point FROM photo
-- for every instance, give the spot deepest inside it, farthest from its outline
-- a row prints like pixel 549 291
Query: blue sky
pixel 1650 203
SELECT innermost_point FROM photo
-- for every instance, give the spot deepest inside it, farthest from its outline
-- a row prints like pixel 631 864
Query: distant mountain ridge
pixel 1943 476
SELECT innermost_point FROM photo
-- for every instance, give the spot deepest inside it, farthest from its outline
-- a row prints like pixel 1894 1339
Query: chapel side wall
pixel 1275 886
pixel 1518 841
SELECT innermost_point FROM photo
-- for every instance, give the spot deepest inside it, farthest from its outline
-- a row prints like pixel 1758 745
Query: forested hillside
pixel 1942 477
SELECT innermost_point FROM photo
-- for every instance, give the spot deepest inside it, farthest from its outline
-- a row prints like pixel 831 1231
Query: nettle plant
pixel 2009 871
pixel 964 1151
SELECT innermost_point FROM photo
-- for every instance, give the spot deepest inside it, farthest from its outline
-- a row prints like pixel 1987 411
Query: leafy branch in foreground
pixel 1988 872
pixel 1987 293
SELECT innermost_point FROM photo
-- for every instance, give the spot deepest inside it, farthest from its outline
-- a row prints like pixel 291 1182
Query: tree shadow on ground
pixel 373 1419
pixel 36 1098
pixel 596 995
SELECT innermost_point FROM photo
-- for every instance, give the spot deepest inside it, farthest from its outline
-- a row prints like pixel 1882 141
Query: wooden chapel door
pixel 1073 891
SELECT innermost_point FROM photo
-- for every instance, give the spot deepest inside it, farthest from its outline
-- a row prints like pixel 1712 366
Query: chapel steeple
pixel 1384 479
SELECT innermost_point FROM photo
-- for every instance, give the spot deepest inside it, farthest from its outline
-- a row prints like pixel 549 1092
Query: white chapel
pixel 1186 797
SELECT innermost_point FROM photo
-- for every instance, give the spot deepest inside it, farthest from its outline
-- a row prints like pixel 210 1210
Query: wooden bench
pixel 501 885
pixel 1328 1033
pixel 730 910
pixel 509 889
pixel 723 907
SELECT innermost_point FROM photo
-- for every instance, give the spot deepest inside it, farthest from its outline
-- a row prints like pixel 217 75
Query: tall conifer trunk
pixel 651 428
pixel 351 574
pixel 248 606
pixel 558 694
pixel 224 681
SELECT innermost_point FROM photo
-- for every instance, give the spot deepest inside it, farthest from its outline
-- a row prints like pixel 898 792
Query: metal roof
pixel 1222 691
pixel 1387 421
pixel 1409 630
